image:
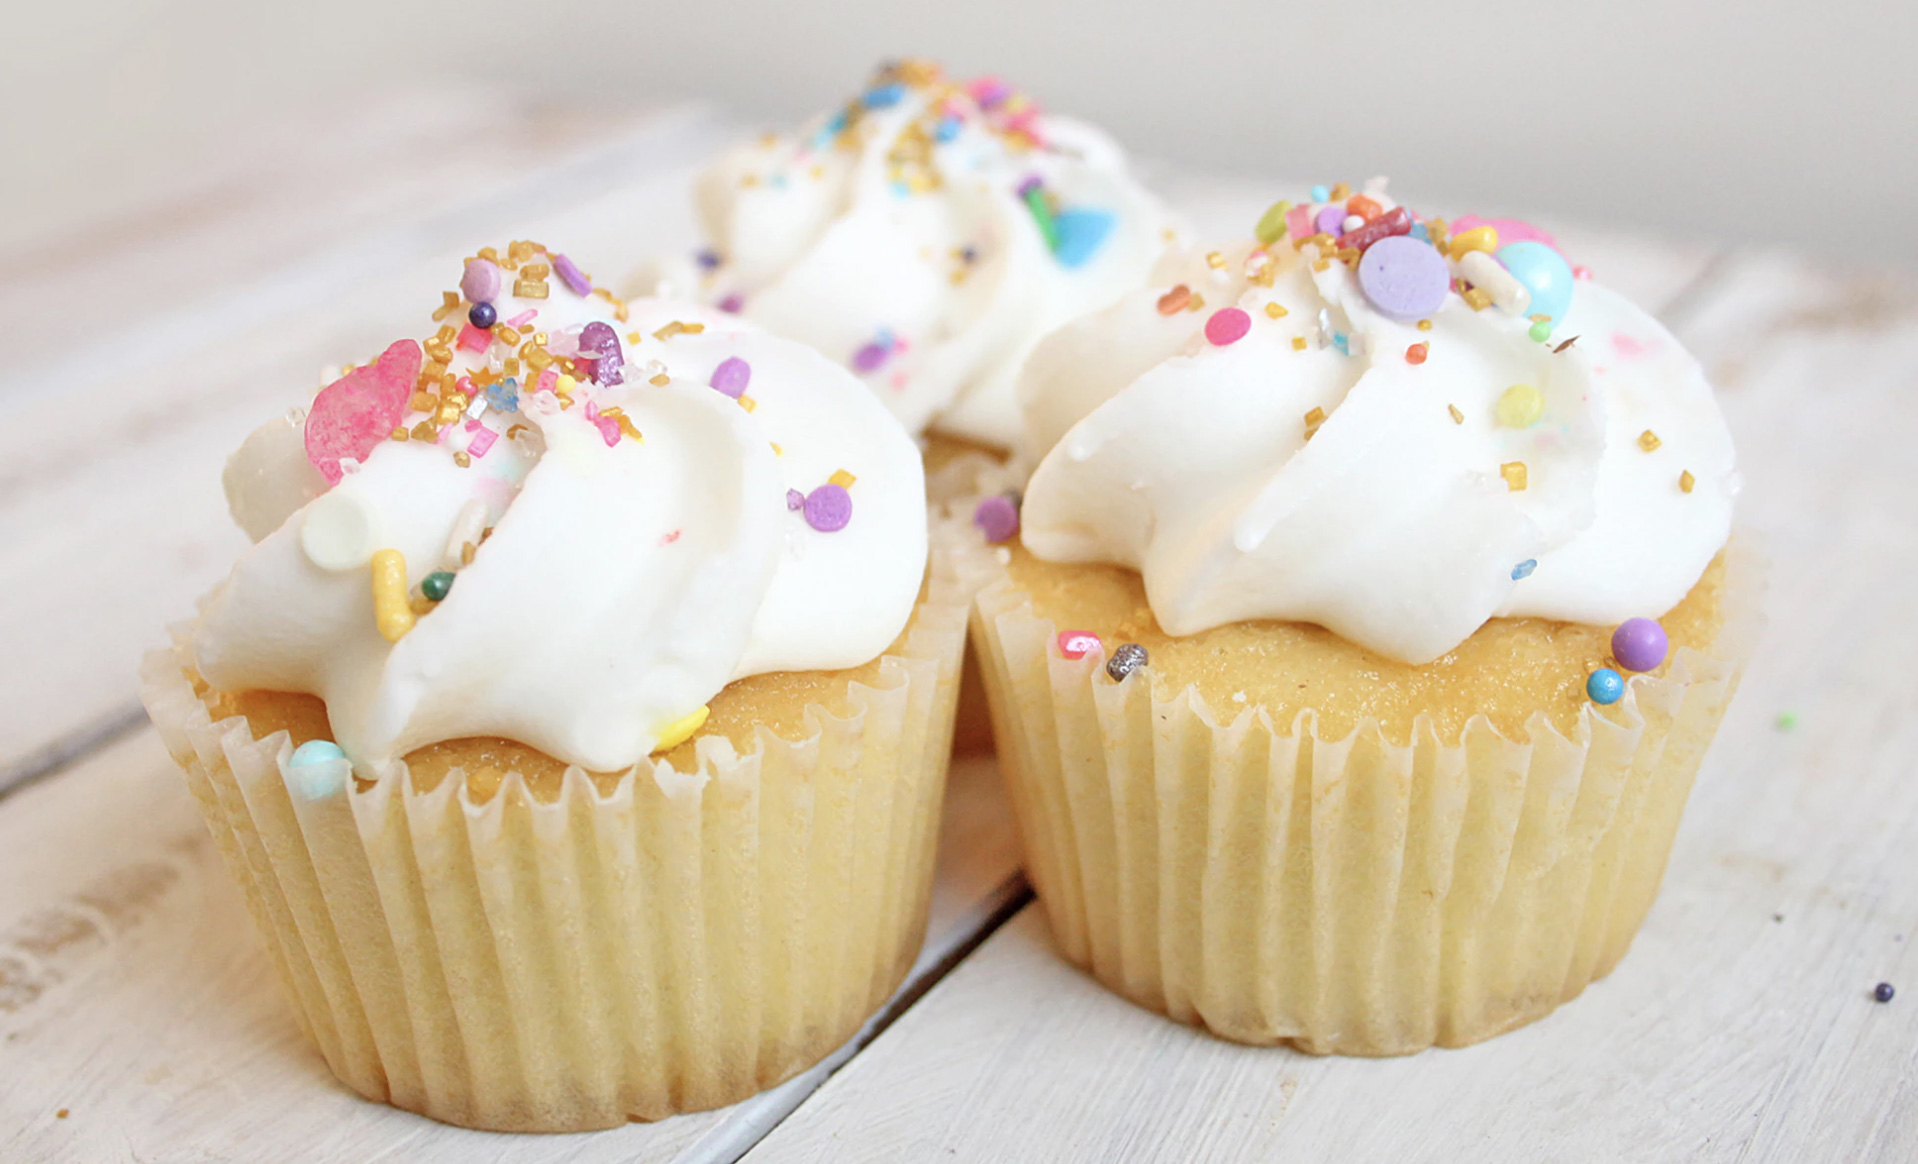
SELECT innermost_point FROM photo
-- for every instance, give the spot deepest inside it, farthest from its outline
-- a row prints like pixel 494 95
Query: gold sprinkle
pixel 842 479
pixel 537 358
pixel 528 289
pixel 539 337
pixel 1648 440
pixel 421 402
pixel 399 434
pixel 424 431
pixel 449 303
pixel 748 403
pixel 1275 311
pixel 633 337
pixel 1457 416
pixel 514 430
pixel 1215 260
pixel 536 272
pixel 1686 481
pixel 1298 343
pixel 1477 299
pixel 1196 303
pixel 1514 474
pixel 467 551
pixel 1321 264
pixel 661 380
pixel 1313 420
pixel 1341 192
pixel 777 451
pixel 510 368
pixel 463 460
pixel 489 254
pixel 1425 325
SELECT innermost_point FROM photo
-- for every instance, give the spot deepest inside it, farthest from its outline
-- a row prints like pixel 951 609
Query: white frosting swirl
pixel 623 581
pixel 1393 523
pixel 897 229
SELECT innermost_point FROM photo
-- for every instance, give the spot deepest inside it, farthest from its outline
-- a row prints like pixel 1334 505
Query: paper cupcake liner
pixel 677 944
pixel 1348 896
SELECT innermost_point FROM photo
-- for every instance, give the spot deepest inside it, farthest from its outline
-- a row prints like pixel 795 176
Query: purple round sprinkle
pixel 570 274
pixel 1403 278
pixel 1331 221
pixel 708 259
pixel 870 357
pixel 1029 185
pixel 828 508
pixel 731 304
pixel 998 517
pixel 732 376
pixel 795 499
pixel 480 282
pixel 600 343
pixel 1639 644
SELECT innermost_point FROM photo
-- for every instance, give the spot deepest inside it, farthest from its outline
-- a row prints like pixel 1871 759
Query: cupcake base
pixel 1360 894
pixel 569 953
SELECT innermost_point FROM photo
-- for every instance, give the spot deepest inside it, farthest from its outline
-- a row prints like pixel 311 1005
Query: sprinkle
pixel 795 500
pixel 437 585
pixel 1883 992
pixel 661 380
pixel 1648 441
pixel 1480 239
pixel 1228 325
pixel 1514 474
pixel 732 376
pixel 1340 192
pixel 1330 220
pixel 1457 416
pixel 339 530
pixel 998 517
pixel 1786 721
pixel 842 479
pixel 1605 686
pixel 480 281
pixel 1482 271
pixel 1196 303
pixel 523 318
pixel 1425 325
pixel 682 729
pixel 481 441
pixel 391 611
pixel 463 459
pixel 1215 260
pixel 1686 481
pixel 884 97
pixel 570 274
pixel 1524 569
pixel 1077 644
pixel 468 525
pixel 871 357
pixel 748 403
pixel 1271 227
pixel 731 304
pixel 529 289
pixel 1320 194
pixel 1568 343
pixel 1080 232
pixel 1403 279
pixel 1371 230
pixel 1541 331
pixel 482 316
pixel 1639 644
pixel 1313 420
pixel 1173 301
pixel 1520 406
pixel 1126 658
pixel 1032 191
pixel 599 346
pixel 1298 343
pixel 1417 352
pixel 319 767
pixel 1274 310
pixel 562 384
pixel 353 414
pixel 828 508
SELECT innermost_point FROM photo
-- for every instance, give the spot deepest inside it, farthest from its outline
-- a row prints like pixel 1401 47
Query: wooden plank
pixel 134 995
pixel 1741 1027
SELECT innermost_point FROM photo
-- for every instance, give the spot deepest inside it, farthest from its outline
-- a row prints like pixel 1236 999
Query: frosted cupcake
pixel 576 726
pixel 1371 615
pixel 927 235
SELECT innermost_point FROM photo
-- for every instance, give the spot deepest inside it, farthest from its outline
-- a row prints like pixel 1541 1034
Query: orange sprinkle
pixel 1416 353
pixel 1173 301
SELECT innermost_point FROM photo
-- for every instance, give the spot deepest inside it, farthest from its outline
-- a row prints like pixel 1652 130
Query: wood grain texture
pixel 1741 1026
pixel 134 994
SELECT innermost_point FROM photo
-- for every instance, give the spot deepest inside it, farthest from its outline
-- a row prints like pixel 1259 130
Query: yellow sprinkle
pixel 1514 474
pixel 777 451
pixel 1520 406
pixel 1321 264
pixel 420 604
pixel 1476 298
pixel 1648 440
pixel 467 551
pixel 1686 481
pixel 748 403
pixel 661 380
pixel 449 303
pixel 1313 420
pixel 633 337
pixel 529 289
pixel 565 385
pixel 391 611
pixel 399 433
pixel 682 729
pixel 1195 303
pixel 1457 416
pixel 1298 343
pixel 1341 191
pixel 1275 311
pixel 842 479
pixel 1215 260
pixel 1479 238
pixel 1425 325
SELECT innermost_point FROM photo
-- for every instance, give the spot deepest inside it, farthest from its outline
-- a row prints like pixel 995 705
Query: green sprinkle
pixel 1271 226
pixel 1787 720
pixel 1042 214
pixel 1541 331
pixel 437 585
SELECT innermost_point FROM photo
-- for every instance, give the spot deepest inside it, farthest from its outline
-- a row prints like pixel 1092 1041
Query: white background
pixel 1766 120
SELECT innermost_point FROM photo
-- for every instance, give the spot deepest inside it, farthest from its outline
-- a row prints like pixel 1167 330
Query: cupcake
pixel 576 726
pixel 926 235
pixel 1372 612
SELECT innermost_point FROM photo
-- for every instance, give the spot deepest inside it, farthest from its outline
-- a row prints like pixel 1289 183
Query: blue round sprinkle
pixel 946 130
pixel 885 96
pixel 319 767
pixel 1524 569
pixel 1545 273
pixel 1320 194
pixel 1605 686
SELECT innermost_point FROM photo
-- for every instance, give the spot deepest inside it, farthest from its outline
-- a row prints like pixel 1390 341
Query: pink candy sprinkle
pixel 795 500
pixel 732 376
pixel 608 430
pixel 482 439
pixel 570 274
pixel 475 339
pixel 1074 644
pixel 523 318
pixel 547 379
pixel 1228 325
pixel 480 282
pixel 464 386
pixel 352 415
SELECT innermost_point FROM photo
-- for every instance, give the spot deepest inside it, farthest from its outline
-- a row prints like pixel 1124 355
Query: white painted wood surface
pixel 1741 1026
pixel 133 993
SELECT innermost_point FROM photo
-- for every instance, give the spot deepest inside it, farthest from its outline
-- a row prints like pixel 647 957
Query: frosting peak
pixel 926 235
pixel 570 528
pixel 1362 420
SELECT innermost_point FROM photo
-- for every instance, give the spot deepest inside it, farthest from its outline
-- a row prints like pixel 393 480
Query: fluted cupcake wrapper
pixel 676 944
pixel 1349 896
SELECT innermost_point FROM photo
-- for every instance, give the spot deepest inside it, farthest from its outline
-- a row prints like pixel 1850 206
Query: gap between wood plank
pixel 51 759
pixel 754 1119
